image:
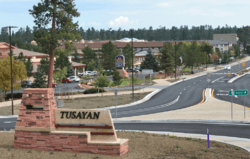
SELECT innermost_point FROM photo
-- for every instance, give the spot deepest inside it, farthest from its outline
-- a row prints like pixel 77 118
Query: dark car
pixel 135 70
pixel 26 84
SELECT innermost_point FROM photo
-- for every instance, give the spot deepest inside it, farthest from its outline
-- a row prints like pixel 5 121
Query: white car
pixel 80 73
pixel 228 67
pixel 89 73
pixel 74 78
pixel 94 72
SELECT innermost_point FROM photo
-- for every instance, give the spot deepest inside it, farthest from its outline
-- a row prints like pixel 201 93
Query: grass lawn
pixel 125 81
pixel 186 69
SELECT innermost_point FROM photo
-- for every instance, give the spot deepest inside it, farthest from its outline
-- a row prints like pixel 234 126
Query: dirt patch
pixel 99 102
pixel 86 103
pixel 141 146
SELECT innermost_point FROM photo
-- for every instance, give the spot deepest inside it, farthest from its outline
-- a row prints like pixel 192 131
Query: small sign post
pixel 239 93
pixel 116 91
pixel 208 138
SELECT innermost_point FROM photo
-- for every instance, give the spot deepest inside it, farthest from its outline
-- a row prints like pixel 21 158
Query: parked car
pixel 66 80
pixel 53 84
pixel 74 78
pixel 135 70
pixel 94 72
pixel 228 67
pixel 89 73
pixel 81 73
pixel 26 84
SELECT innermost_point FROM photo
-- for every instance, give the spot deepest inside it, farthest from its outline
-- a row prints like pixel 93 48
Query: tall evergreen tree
pixel 127 52
pixel 58 13
pixel 29 68
pixel 109 52
pixel 166 59
pixel 150 62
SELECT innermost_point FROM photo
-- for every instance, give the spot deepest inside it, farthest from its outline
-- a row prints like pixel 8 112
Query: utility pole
pixel 175 58
pixel 11 66
pixel 132 63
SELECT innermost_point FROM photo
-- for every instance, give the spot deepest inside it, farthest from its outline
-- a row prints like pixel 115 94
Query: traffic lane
pixel 188 94
pixel 7 123
pixel 221 92
pixel 223 79
pixel 194 128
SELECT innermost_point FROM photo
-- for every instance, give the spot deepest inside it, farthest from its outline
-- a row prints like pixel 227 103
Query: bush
pixel 117 78
pixel 93 90
pixel 15 95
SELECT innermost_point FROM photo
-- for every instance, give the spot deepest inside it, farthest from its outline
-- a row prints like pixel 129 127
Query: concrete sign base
pixel 41 126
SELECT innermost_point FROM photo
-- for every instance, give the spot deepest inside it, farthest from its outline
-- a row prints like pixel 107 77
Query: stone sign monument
pixel 41 126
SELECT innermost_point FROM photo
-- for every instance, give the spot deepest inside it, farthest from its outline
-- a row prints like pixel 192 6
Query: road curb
pixel 237 77
pixel 182 121
pixel 146 98
pixel 198 136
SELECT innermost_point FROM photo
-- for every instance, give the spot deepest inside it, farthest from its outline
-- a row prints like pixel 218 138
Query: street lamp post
pixel 11 65
pixel 175 58
pixel 132 63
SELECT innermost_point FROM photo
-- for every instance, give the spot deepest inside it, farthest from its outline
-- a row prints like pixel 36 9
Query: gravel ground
pixel 141 146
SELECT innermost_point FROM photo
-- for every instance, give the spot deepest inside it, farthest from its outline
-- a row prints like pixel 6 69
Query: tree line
pixel 25 35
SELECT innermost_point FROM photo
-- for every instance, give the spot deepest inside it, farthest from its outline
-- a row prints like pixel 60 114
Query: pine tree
pixel 150 62
pixel 29 67
pixel 166 59
pixel 109 52
pixel 40 81
pixel 127 52
pixel 117 79
pixel 59 14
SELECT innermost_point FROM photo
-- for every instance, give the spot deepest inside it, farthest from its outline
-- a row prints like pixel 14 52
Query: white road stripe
pixel 7 122
pixel 217 79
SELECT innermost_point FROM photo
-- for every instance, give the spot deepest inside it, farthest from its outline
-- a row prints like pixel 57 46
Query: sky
pixel 127 14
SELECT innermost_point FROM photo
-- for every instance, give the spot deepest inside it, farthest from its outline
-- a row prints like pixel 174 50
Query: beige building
pixel 35 57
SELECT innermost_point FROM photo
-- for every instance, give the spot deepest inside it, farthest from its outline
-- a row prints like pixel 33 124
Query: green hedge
pixel 93 90
pixel 15 95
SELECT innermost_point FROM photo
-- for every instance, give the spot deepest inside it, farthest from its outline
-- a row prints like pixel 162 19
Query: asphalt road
pixel 181 95
pixel 243 83
pixel 240 130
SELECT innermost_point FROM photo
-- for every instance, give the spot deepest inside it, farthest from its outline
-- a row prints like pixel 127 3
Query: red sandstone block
pixel 116 147
pixel 105 147
pixel 93 146
pixel 73 144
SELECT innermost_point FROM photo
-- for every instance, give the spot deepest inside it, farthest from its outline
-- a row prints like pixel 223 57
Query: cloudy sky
pixel 138 13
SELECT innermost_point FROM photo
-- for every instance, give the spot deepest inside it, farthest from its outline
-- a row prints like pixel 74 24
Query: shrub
pixel 15 95
pixel 93 90
pixel 117 78
pixel 82 82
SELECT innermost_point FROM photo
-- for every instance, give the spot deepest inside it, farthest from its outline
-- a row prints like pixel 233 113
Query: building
pixel 35 57
pixel 230 37
pixel 222 45
pixel 138 47
pixel 126 40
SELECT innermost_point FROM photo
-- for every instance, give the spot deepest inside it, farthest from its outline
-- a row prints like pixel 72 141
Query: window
pixel 152 47
pixel 141 59
pixel 136 59
pixel 135 49
pixel 221 49
pixel 159 48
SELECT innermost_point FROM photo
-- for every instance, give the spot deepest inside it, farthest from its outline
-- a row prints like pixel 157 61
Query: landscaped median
pixel 89 101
